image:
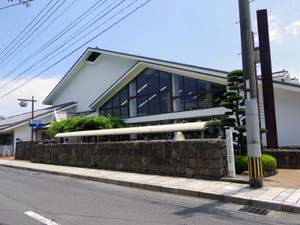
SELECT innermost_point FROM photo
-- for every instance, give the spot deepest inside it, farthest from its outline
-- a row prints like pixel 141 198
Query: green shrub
pixel 85 123
pixel 268 161
pixel 241 163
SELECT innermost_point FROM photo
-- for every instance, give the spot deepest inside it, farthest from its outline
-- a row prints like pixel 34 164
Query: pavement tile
pixel 294 197
pixel 282 196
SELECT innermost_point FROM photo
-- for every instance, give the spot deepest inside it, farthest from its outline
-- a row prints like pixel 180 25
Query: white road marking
pixel 40 218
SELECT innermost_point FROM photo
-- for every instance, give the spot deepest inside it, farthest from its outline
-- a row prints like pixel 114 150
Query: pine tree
pixel 234 100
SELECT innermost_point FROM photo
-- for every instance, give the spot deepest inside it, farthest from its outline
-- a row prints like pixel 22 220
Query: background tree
pixel 23 2
pixel 234 100
pixel 85 123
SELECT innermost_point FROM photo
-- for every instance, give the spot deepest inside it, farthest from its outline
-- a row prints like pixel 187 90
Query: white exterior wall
pixel 92 80
pixel 287 109
pixel 23 133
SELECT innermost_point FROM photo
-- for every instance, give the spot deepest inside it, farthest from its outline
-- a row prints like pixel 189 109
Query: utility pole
pixel 252 121
pixel 23 103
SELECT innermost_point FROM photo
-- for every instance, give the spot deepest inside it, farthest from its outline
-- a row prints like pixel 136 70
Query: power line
pixel 26 27
pixel 14 52
pixel 21 75
pixel 16 4
pixel 56 37
pixel 56 18
pixel 59 35
pixel 28 31
pixel 78 48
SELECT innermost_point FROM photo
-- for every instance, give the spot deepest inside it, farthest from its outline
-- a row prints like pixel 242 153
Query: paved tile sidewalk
pixel 276 198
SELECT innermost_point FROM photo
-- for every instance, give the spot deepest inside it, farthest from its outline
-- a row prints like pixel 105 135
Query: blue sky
pixel 198 32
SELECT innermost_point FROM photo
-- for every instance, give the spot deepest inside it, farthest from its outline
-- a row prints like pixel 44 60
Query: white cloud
pixel 294 28
pixel 39 88
pixel 275 33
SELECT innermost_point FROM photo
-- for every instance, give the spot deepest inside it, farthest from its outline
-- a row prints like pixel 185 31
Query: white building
pixel 144 90
pixel 147 90
pixel 16 128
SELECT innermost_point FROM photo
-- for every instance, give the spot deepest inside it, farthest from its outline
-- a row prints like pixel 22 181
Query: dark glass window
pixel 116 112
pixel 191 102
pixel 165 102
pixel 116 101
pixel 142 84
pixel 109 105
pixel 5 139
pixel 102 111
pixel 124 97
pixel 153 83
pixel 217 94
pixel 154 92
pixel 165 81
pixel 154 107
pixel 190 86
pixel 108 112
pixel 142 108
pixel 204 89
pixel 124 112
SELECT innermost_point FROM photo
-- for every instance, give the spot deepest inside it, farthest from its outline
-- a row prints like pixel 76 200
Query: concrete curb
pixel 201 194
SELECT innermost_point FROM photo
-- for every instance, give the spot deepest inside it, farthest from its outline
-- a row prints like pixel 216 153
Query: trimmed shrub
pixel 268 161
pixel 85 123
pixel 241 163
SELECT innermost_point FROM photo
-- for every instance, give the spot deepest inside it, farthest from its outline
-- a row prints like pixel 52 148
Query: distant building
pixel 284 76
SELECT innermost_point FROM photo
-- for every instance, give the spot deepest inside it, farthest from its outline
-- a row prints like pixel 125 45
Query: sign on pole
pixel 37 123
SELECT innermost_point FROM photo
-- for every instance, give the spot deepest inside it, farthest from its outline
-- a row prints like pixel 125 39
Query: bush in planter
pixel 268 161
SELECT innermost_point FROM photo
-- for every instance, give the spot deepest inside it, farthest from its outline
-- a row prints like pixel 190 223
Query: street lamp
pixel 24 103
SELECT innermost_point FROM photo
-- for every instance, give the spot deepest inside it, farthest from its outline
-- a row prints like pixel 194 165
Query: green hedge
pixel 85 123
pixel 268 161
pixel 241 163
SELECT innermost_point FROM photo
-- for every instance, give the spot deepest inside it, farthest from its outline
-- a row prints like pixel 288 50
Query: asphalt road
pixel 69 201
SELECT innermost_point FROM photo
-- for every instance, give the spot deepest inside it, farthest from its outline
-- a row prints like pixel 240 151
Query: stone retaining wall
pixel 192 158
pixel 23 150
pixel 286 158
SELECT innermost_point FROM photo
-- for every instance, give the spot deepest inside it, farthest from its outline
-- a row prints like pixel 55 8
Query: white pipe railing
pixel 166 128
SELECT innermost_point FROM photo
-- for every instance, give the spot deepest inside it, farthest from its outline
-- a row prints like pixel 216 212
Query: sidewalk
pixel 274 198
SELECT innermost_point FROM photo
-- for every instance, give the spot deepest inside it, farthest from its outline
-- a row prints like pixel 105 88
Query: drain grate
pixel 254 210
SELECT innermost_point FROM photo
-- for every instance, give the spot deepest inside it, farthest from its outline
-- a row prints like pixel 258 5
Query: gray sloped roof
pixel 21 118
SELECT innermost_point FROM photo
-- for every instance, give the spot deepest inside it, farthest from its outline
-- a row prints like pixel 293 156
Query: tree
pixel 235 102
pixel 85 123
pixel 23 2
